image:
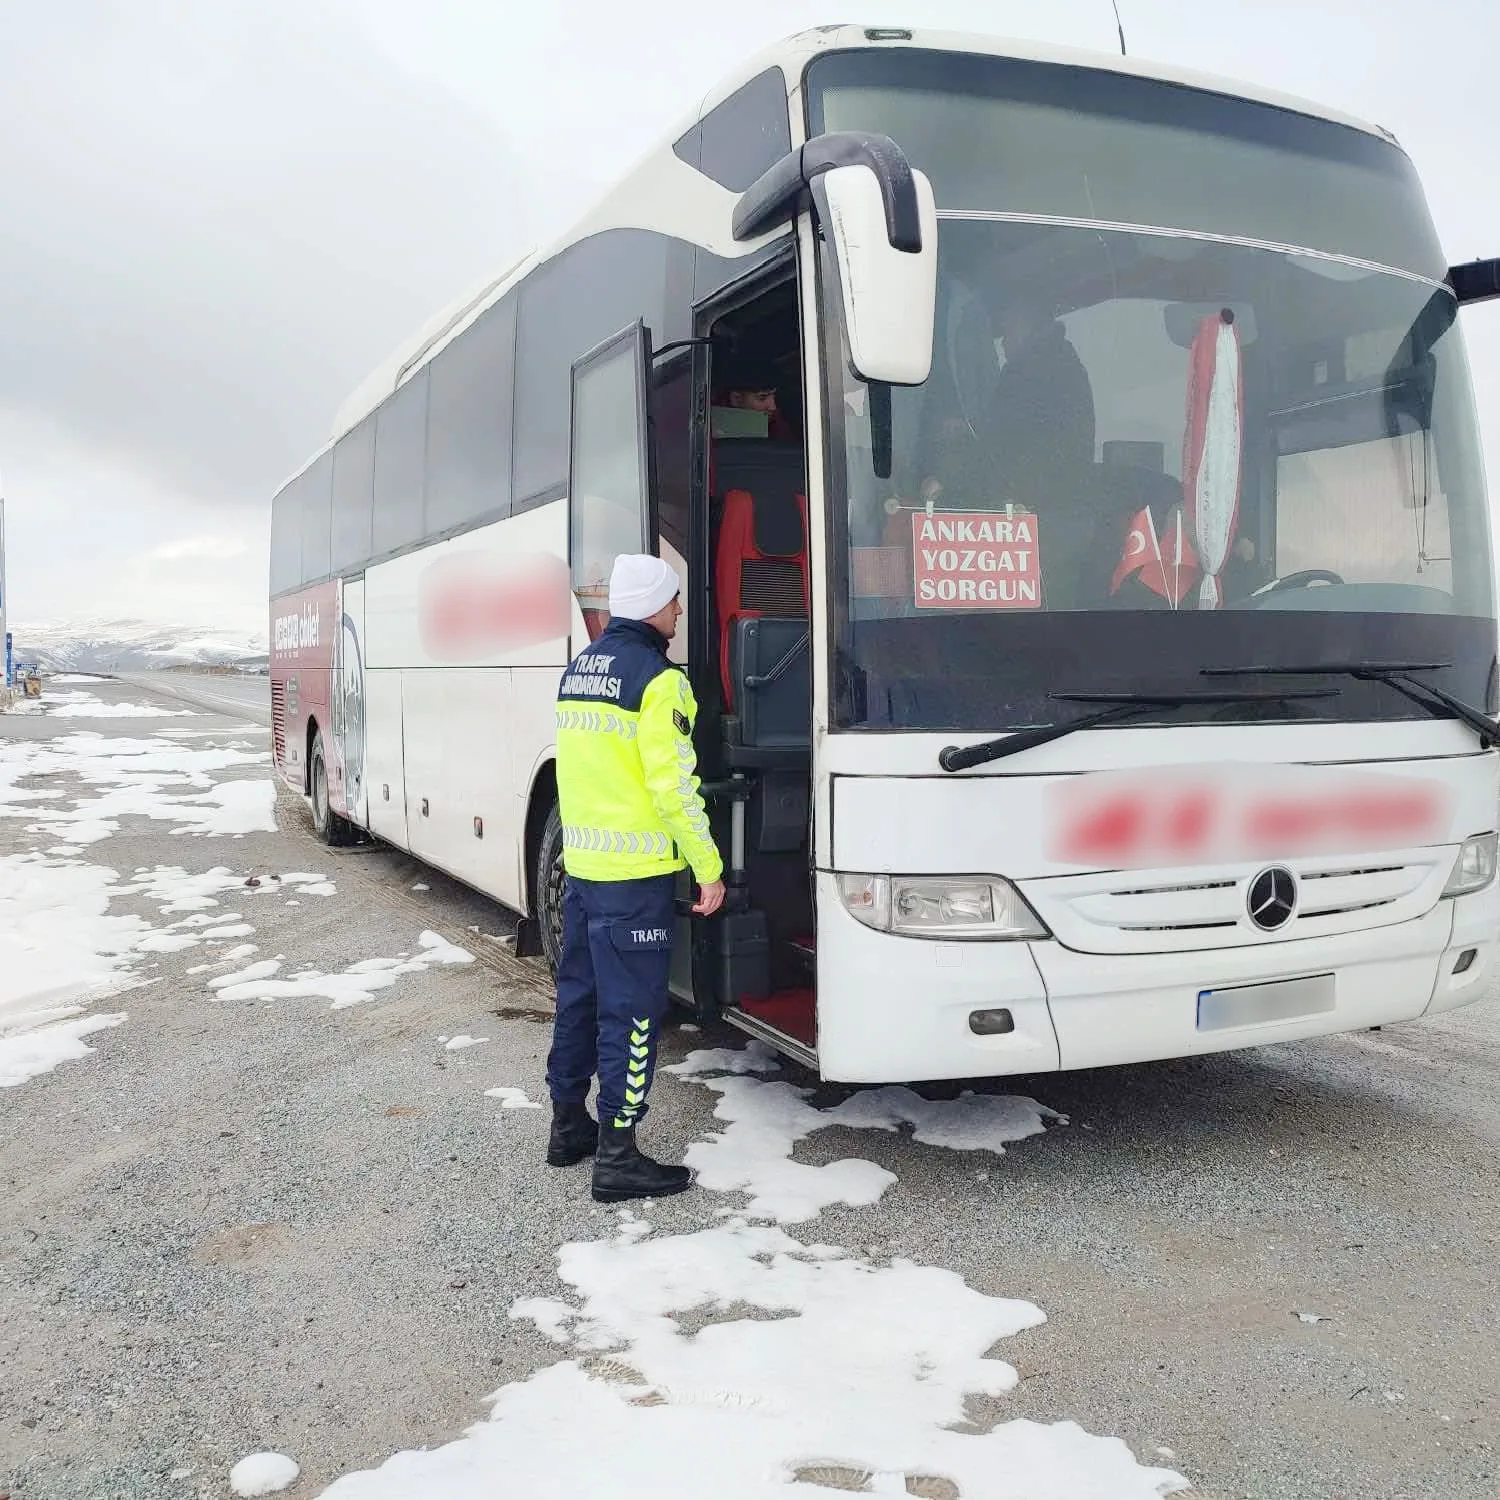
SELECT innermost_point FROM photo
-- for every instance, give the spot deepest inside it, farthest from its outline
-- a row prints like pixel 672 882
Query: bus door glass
pixel 609 468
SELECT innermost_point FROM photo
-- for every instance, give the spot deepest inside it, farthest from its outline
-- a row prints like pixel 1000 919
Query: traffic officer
pixel 632 817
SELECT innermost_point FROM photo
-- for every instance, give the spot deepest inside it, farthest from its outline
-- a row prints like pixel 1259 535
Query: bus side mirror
pixel 1478 281
pixel 881 220
pixel 889 292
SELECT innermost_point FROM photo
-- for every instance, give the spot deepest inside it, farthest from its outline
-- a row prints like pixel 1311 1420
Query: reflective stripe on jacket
pixel 627 782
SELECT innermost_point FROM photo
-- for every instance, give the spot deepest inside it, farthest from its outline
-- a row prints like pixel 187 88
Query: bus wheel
pixel 327 824
pixel 549 887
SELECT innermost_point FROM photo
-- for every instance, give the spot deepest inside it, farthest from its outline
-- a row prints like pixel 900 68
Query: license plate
pixel 1260 1004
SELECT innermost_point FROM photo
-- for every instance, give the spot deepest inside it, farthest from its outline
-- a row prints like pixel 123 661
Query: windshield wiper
pixel 1122 706
pixel 1392 674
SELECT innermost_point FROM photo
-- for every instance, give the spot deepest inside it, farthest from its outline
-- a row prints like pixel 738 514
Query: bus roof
pixel 792 56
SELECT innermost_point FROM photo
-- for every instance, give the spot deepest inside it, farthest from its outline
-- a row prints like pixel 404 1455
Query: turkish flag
pixel 1163 561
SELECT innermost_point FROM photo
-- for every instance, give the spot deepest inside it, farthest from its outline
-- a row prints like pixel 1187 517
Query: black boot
pixel 574 1135
pixel 621 1171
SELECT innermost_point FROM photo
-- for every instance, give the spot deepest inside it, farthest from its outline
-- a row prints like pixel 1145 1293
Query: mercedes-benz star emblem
pixel 1272 898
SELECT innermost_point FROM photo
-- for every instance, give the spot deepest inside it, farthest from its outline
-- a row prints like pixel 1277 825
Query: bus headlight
pixel 977 909
pixel 1474 867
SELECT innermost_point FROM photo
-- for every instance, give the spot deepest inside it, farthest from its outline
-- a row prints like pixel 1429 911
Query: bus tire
pixel 549 886
pixel 330 828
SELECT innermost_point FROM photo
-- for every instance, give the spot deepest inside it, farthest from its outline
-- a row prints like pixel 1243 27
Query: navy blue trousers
pixel 611 992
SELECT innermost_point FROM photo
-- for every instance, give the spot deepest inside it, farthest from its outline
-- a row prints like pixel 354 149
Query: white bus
pixel 1070 465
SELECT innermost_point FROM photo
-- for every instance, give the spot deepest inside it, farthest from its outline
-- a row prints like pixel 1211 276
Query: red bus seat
pixel 761 564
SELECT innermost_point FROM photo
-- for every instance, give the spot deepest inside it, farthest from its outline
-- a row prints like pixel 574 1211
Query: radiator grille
pixel 1106 913
pixel 278 722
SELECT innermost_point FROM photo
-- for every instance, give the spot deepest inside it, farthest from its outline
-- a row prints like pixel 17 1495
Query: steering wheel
pixel 1300 580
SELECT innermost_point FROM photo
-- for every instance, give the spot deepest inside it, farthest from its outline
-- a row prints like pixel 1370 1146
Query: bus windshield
pixel 1195 378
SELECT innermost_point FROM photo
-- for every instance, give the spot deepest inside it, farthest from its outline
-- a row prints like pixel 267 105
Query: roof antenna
pixel 1120 25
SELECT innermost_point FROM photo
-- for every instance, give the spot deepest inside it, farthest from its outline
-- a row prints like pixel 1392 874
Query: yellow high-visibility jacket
pixel 627 782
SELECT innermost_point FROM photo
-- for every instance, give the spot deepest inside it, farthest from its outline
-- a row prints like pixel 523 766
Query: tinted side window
pixel 286 540
pixel 353 478
pixel 743 137
pixel 400 454
pixel 468 424
pixel 316 487
pixel 567 308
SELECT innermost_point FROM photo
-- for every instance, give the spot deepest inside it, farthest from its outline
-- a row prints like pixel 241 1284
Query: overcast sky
pixel 218 215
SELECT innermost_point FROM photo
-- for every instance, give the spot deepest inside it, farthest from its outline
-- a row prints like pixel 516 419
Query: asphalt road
pixel 273 1225
pixel 241 697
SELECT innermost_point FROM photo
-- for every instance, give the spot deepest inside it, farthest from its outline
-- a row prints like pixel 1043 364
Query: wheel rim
pixel 320 791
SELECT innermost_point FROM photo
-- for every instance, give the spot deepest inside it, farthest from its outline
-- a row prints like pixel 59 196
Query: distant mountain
pixel 133 646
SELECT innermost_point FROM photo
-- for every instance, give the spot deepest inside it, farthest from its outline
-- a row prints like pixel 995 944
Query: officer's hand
pixel 710 899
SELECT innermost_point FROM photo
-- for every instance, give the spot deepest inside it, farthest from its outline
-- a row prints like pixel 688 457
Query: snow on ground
pixel 75 705
pixel 738 1361
pixel 152 778
pixel 458 1043
pixel 29 1053
pixel 511 1098
pixel 60 951
pixel 814 1365
pixel 356 985
pixel 754 1057
pixel 766 1120
pixel 263 1474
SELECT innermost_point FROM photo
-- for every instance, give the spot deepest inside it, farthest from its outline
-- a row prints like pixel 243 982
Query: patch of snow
pixel 754 1155
pixel 511 1098
pixel 766 1120
pixel 60 951
pixel 232 807
pixel 420 887
pixel 262 970
pixel 30 1053
pixel 756 1057
pixel 167 942
pixel 844 1368
pixel 358 984
pixel 191 892
pixel 848 1365
pixel 77 677
pixel 439 950
pixel 550 1316
pixel 263 1474
pixel 153 778
pixel 233 930
pixel 86 706
pixel 458 1043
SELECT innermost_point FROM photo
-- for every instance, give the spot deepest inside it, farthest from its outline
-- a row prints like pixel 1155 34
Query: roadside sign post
pixel 9 682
